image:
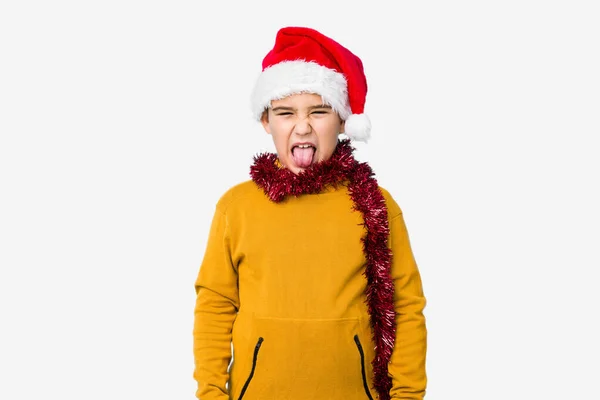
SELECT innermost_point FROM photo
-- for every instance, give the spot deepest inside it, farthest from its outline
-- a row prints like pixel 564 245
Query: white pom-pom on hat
pixel 358 127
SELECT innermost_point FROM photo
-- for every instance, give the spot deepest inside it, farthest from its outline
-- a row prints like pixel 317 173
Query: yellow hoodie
pixel 283 282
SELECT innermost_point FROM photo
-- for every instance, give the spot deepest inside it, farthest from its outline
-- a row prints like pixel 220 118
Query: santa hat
pixel 306 61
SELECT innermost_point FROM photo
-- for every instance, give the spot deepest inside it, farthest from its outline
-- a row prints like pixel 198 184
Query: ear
pixel 342 126
pixel 264 120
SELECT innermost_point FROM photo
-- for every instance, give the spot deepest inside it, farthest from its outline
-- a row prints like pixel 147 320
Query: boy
pixel 308 269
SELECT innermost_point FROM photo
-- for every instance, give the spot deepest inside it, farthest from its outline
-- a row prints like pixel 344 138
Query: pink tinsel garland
pixel 278 182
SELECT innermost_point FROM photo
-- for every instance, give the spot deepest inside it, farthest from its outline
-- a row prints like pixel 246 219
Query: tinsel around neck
pixel 279 182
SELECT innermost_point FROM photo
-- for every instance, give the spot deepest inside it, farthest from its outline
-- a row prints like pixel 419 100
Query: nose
pixel 303 126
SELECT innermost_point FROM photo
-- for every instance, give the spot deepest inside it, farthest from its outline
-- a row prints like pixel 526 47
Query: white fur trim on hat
pixel 290 77
pixel 358 127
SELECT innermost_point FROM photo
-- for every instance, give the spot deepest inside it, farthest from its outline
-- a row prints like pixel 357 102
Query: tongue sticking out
pixel 303 157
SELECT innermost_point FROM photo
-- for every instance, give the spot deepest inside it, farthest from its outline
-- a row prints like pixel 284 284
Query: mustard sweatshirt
pixel 283 282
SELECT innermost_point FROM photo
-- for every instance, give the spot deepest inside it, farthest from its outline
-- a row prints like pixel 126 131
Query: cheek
pixel 329 133
pixel 327 126
pixel 327 145
pixel 281 129
pixel 281 143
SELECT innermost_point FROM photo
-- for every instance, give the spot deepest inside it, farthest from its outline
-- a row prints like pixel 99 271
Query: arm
pixel 407 365
pixel 216 307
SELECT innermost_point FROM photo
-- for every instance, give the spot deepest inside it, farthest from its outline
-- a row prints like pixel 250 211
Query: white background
pixel 122 123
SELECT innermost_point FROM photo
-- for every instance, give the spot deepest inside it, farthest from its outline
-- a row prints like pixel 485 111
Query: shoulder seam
pixel 396 216
pixel 233 196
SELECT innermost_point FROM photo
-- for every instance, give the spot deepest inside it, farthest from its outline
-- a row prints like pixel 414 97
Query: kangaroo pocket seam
pixel 363 366
pixel 298 353
pixel 252 371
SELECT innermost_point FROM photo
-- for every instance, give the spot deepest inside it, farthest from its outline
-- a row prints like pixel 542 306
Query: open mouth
pixel 303 154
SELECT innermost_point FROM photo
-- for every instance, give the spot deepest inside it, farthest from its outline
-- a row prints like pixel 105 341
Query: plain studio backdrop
pixel 123 122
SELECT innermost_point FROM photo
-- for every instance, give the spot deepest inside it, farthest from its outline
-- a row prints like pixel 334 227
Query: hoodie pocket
pixel 254 360
pixel 282 358
pixel 363 366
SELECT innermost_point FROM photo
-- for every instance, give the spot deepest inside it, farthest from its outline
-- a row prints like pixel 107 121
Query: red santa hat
pixel 306 61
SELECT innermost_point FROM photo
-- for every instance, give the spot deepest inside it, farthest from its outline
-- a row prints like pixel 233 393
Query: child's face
pixel 302 118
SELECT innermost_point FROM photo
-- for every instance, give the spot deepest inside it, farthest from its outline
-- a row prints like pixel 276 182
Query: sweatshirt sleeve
pixel 216 307
pixel 407 364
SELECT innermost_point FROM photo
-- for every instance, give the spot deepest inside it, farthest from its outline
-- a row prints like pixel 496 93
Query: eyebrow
pixel 282 108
